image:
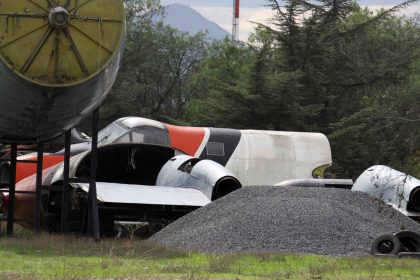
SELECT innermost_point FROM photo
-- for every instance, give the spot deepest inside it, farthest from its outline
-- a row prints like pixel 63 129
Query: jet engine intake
pixel 211 178
pixel 57 64
pixel 225 186
pixel 415 199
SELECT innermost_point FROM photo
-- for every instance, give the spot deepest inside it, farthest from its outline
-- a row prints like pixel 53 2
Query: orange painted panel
pixel 186 139
pixel 24 170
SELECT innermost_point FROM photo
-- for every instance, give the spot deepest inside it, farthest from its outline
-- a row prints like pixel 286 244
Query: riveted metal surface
pixel 58 60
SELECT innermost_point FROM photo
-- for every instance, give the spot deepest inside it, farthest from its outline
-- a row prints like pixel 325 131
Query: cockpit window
pixel 110 134
pixel 124 139
pixel 115 133
pixel 215 149
pixel 150 135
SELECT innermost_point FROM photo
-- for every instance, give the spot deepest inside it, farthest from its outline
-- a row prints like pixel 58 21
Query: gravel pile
pixel 280 219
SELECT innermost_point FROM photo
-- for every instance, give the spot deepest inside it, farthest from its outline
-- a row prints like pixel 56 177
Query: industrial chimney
pixel 235 26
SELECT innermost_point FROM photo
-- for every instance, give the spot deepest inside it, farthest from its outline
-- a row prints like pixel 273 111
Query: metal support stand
pixel 12 186
pixel 90 223
pixel 93 202
pixel 38 205
pixel 65 193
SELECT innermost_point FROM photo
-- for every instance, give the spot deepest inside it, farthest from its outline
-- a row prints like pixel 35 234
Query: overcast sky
pixel 220 11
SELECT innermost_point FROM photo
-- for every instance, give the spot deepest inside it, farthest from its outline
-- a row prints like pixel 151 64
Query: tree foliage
pixel 155 78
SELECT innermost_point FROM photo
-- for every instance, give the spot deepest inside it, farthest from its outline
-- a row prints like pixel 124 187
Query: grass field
pixel 67 257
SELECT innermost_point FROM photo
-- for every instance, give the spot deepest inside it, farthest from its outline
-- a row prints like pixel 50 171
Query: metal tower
pixel 235 26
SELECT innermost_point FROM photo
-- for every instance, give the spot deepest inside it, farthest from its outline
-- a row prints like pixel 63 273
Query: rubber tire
pixel 410 241
pixel 386 244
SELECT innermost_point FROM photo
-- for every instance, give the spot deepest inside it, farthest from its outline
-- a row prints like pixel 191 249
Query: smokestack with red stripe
pixel 235 27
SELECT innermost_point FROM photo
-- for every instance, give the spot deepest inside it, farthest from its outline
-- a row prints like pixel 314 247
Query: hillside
pixel 188 20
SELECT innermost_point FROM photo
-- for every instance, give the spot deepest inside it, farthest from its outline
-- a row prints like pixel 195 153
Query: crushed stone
pixel 286 219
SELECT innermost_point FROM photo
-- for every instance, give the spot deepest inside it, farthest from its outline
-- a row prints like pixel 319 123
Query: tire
pixel 410 241
pixel 387 244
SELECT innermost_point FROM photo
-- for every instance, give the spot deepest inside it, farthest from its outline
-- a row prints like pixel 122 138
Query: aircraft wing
pixel 142 194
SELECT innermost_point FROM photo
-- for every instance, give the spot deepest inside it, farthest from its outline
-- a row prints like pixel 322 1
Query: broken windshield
pixel 110 134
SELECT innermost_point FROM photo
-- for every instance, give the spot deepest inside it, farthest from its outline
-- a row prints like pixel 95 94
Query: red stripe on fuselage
pixel 24 169
pixel 186 139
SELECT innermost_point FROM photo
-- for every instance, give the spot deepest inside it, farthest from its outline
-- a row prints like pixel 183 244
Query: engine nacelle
pixel 395 188
pixel 207 176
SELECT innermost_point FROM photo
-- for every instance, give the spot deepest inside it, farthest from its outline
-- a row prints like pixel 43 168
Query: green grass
pixel 66 257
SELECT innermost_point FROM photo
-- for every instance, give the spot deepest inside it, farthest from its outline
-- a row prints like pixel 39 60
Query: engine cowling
pixel 395 188
pixel 209 177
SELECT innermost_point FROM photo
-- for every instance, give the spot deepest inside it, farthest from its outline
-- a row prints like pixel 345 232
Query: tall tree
pixel 155 79
pixel 222 100
pixel 376 129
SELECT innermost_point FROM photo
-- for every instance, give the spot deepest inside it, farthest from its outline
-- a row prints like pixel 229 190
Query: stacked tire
pixel 403 243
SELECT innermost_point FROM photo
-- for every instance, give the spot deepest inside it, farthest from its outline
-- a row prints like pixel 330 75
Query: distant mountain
pixel 188 20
